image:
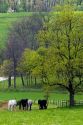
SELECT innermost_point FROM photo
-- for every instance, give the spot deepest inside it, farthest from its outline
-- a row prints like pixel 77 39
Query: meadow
pixel 35 95
pixel 55 116
pixel 52 116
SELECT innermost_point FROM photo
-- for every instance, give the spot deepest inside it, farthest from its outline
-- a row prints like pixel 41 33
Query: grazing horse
pixel 12 104
pixel 42 104
pixel 23 103
pixel 30 104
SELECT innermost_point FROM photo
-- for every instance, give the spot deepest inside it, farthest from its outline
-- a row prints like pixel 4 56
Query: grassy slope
pixel 6 21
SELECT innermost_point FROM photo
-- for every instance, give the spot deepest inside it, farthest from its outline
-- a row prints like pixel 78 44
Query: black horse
pixel 42 104
pixel 23 103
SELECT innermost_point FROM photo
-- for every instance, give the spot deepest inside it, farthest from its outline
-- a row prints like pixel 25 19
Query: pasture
pixel 35 95
pixel 45 117
pixel 51 116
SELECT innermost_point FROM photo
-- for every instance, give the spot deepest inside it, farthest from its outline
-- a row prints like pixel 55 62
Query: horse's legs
pixel 8 107
pixel 19 106
pixel 14 107
pixel 27 106
pixel 23 107
pixel 30 107
pixel 11 107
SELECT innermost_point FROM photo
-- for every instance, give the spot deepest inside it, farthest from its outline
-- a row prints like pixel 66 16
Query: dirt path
pixel 3 105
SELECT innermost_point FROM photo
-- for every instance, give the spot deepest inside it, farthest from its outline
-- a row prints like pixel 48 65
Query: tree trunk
pixel 31 80
pixel 22 80
pixel 14 77
pixel 9 81
pixel 27 79
pixel 14 61
pixel 14 81
pixel 35 81
pixel 71 98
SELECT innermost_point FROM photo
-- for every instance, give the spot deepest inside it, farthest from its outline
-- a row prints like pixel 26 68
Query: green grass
pixel 55 116
pixel 51 116
pixel 6 21
pixel 35 95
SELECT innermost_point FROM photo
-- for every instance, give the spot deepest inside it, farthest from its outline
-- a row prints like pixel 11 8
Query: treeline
pixel 36 5
pixel 21 36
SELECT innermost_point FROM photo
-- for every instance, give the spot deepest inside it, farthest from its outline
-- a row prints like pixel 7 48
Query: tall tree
pixel 64 37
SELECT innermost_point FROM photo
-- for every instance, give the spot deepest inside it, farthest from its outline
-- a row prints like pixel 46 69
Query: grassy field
pixel 35 95
pixel 51 116
pixel 6 21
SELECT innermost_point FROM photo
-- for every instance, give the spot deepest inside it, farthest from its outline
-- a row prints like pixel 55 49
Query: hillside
pixel 6 21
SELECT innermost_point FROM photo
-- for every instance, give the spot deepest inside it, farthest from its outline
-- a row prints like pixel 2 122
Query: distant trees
pixel 36 5
pixel 22 36
pixel 3 6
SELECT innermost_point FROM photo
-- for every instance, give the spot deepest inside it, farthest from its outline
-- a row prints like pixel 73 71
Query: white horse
pixel 30 104
pixel 12 104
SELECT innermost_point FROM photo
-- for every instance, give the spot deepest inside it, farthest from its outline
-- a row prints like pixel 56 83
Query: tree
pixel 7 70
pixel 63 37
pixel 26 63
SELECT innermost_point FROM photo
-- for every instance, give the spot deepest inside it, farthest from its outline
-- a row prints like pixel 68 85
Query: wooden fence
pixel 62 103
pixel 57 103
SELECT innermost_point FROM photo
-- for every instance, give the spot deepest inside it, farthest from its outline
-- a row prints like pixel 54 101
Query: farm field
pixel 51 116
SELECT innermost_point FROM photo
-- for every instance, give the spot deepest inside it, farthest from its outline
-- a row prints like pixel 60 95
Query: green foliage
pixel 6 68
pixel 3 7
pixel 27 61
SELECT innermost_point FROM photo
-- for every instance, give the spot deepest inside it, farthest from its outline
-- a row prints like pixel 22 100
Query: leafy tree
pixel 63 37
pixel 26 63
